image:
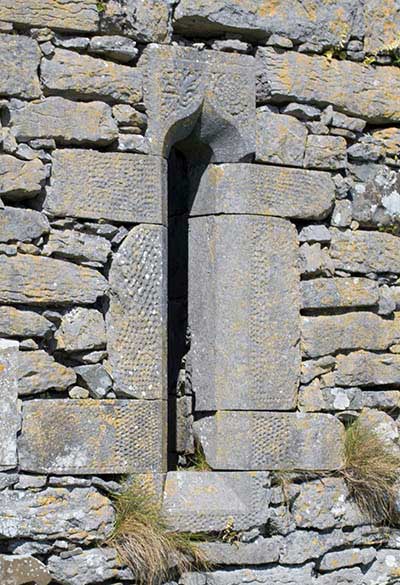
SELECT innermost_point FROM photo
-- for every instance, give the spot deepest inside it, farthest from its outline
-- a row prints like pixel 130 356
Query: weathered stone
pixel 365 251
pixel 77 246
pixel 20 179
pixel 137 318
pixel 384 399
pixel 325 152
pixel 360 330
pixel 377 200
pixel 280 139
pixel 245 307
pixel 355 89
pixel 101 185
pixel 114 47
pixel 326 293
pixel 305 545
pixel 382 24
pixel 207 94
pixel 146 21
pixel 19 57
pixel 81 329
pixel 313 398
pixel 92 436
pixel 85 568
pixel 80 76
pixel 79 515
pixel 9 410
pixel 264 190
pixel 261 440
pixel 315 233
pixel 342 214
pixel 22 224
pixel 66 121
pixel 311 369
pixel 385 569
pixel 389 138
pixel 302 112
pixel 38 280
pixel 347 558
pixel 363 368
pixel 215 498
pixel 343 577
pixel 314 260
pixel 260 552
pixel 96 378
pixel 38 372
pixel 266 576
pixel 77 15
pixel 17 570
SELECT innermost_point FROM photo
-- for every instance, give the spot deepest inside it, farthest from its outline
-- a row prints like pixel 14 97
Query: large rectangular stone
pixel 105 185
pixel 9 410
pixel 75 15
pixel 92 436
pixel 353 88
pixel 264 190
pixel 363 368
pixel 328 293
pixel 243 313
pixel 38 280
pixel 19 62
pixel 137 317
pixel 365 251
pixel 271 441
pixel 215 499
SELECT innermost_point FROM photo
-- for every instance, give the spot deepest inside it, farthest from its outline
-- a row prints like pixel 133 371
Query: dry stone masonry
pixel 199 253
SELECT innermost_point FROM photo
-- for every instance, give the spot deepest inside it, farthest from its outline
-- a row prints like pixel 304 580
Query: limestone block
pixel 137 317
pixel 18 569
pixel 301 546
pixel 19 57
pixel 382 399
pixel 37 372
pixel 20 179
pixel 353 88
pixel 382 25
pixel 39 280
pixel 363 368
pixel 80 76
pixel 86 567
pixel 376 201
pixel 77 246
pixel 81 329
pixel 146 21
pixel 360 330
pixel 264 190
pixel 22 224
pixel 327 293
pixel 325 152
pixel 347 558
pixel 215 499
pixel 74 15
pixel 389 138
pixel 114 47
pixel 259 552
pixel 184 86
pixel 92 436
pixel 243 313
pixel 344 577
pixel 66 121
pixel 79 515
pixel 9 410
pixel 265 576
pixel 18 323
pixel 365 251
pixel 96 378
pixel 265 440
pixel 115 186
pixel 280 139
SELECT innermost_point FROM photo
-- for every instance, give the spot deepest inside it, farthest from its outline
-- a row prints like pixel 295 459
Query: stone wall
pixel 249 303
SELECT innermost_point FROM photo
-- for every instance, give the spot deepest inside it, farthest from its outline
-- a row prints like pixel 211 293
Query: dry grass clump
pixel 145 544
pixel 197 461
pixel 371 471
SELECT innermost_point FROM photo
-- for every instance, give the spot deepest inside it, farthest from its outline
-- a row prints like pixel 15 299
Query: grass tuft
pixel 197 461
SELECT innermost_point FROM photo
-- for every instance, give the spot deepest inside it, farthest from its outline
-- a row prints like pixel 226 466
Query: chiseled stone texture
pixel 81 329
pixel 330 293
pixel 354 88
pixel 20 179
pixel 37 372
pixel 265 576
pixel 22 224
pixel 19 62
pixel 80 76
pixel 87 567
pixel 243 313
pixel 146 21
pixel 280 139
pixel 137 317
pixel 264 190
pixel 19 323
pixel 79 515
pixel 41 281
pixel 74 15
pixel 115 186
pixel 364 368
pixel 215 499
pixel 268 441
pixel 20 569
pixel 9 410
pixel 92 436
pixel 66 121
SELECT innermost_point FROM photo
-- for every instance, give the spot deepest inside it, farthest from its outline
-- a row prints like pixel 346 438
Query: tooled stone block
pixel 9 410
pixel 19 62
pixel 92 436
pixel 209 501
pixel 115 186
pixel 268 441
pixel 243 312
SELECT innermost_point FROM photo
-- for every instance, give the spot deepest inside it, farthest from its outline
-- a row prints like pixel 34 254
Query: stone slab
pixel 353 88
pixel 39 280
pixel 103 185
pixel 78 515
pixel 382 25
pixel 208 501
pixel 73 15
pixel 20 179
pixel 9 410
pixel 19 57
pixel 137 317
pixel 329 293
pixel 243 313
pixel 180 84
pixel 280 139
pixel 271 441
pixel 85 567
pixel 276 575
pixel 78 246
pixel 92 436
pixel 66 121
pixel 22 569
pixel 37 372
pixel 264 190
pixel 22 224
pixel 17 323
pixel 363 368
